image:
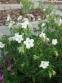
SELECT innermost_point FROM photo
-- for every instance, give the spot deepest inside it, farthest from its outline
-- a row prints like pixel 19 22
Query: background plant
pixel 27 6
pixel 19 1
pixel 46 9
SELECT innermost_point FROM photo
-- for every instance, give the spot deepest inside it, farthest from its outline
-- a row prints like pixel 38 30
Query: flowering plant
pixel 31 55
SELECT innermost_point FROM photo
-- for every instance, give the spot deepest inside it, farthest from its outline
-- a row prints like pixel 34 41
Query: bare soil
pixel 14 13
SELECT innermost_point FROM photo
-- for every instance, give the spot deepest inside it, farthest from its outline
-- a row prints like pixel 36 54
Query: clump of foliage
pixel 27 6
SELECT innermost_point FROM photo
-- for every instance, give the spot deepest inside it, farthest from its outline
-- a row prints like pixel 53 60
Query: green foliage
pixel 19 1
pixel 27 6
pixel 22 61
pixel 46 9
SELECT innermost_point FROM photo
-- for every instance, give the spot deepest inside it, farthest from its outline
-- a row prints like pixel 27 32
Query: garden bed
pixel 31 52
pixel 14 13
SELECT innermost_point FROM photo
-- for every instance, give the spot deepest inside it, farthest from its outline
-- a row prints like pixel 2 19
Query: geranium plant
pixel 28 57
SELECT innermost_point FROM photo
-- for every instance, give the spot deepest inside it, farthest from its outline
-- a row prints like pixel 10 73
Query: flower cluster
pixel 17 38
pixel 2 45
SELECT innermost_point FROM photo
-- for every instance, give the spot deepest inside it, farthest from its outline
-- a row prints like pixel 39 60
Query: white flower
pixel 18 24
pixel 11 24
pixel 29 43
pixel 44 64
pixel 47 39
pixel 25 23
pixel 44 9
pixel 25 19
pixel 60 21
pixel 19 18
pixel 39 19
pixel 47 16
pixel 2 45
pixel 42 35
pixel 18 38
pixel 8 18
pixel 31 15
pixel 10 38
pixel 54 41
pixel 52 13
pixel 43 24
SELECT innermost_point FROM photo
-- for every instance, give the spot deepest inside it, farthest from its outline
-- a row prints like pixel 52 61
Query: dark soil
pixel 14 13
pixel 9 1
